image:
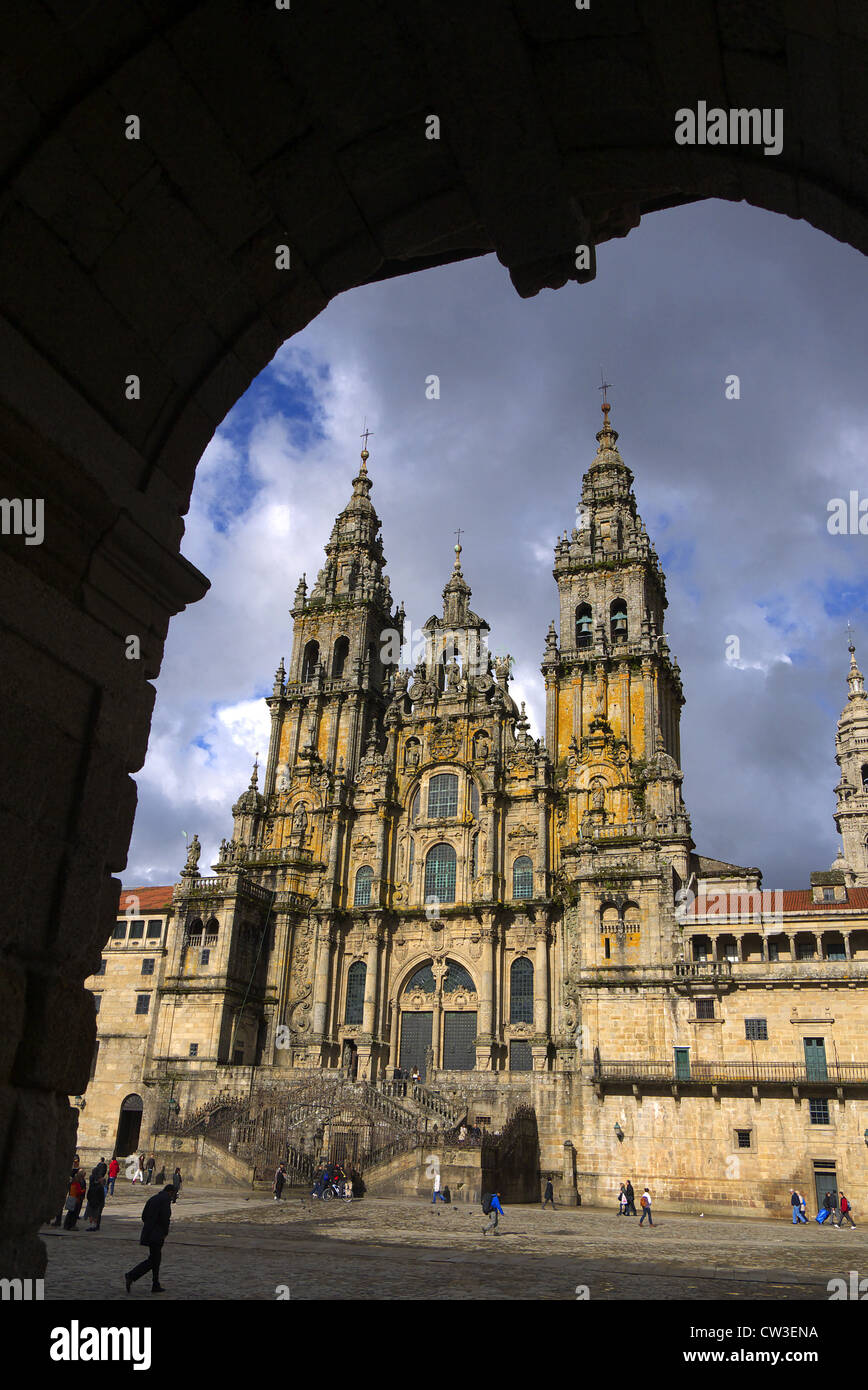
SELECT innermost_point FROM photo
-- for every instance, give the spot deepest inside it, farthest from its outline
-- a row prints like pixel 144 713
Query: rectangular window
pixel 148 966
pixel 97 1000
pixel 607 947
pixel 774 950
pixel 120 931
pixel 143 1003
pixel 757 1029
pixel 705 1008
pixel 443 795
pixel 155 928
pixel 520 1056
pixel 743 1138
pixel 805 950
pixel 204 957
pixel 194 1049
pixel 819 1111
pixel 835 951
pixel 101 970
pixel 93 1060
pixel 137 930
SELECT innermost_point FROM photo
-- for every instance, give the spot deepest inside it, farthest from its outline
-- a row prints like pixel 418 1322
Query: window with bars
pixel 443 795
pixel 194 1050
pixel 423 980
pixel 757 1029
pixel 147 966
pixel 743 1139
pixel 819 1110
pixel 457 977
pixel 364 879
pixel 521 991
pixel 522 877
pixel 355 1006
pixel 143 1003
pixel 137 930
pixel 440 874
pixel 520 1055
pixel 705 1008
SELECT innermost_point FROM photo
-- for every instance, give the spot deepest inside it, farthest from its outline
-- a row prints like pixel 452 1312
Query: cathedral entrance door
pixel 459 1041
pixel 415 1041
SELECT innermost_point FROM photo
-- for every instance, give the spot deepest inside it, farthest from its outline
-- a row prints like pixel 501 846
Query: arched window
pixel 415 806
pixel 618 620
pixel 474 801
pixel 584 633
pixel 356 975
pixel 193 931
pixel 440 874
pixel 339 657
pixel 457 977
pixel 411 859
pixel 521 991
pixel 309 661
pixel 443 795
pixel 422 980
pixel 364 879
pixel 212 927
pixel 522 877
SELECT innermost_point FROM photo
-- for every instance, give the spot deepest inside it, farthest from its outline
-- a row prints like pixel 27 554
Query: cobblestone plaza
pixel 232 1246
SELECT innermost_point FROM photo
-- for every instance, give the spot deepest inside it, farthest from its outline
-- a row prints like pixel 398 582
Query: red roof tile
pixel 769 902
pixel 145 899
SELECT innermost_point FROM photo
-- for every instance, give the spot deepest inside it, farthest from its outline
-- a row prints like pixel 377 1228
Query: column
pixel 487 1024
pixel 541 982
pixel 273 748
pixel 542 846
pixel 325 945
pixel 372 973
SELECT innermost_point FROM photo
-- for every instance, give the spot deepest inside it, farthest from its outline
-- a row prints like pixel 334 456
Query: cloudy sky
pixel 734 493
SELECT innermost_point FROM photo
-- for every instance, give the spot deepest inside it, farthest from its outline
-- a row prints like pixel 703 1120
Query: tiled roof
pixel 149 899
pixel 770 902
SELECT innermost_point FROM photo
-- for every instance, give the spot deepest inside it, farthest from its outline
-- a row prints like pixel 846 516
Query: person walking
pixel 622 1201
pixel 549 1195
pixel 845 1210
pixel 113 1169
pixel 95 1198
pixel 830 1202
pixel 279 1180
pixel 645 1204
pixel 176 1182
pixel 149 1169
pixel 494 1210
pixel 138 1175
pixel 631 1198
pixel 798 1203
pixel 156 1216
pixel 438 1195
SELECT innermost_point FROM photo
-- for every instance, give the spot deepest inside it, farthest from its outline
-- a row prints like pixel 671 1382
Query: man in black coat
pixel 156 1215
pixel 631 1199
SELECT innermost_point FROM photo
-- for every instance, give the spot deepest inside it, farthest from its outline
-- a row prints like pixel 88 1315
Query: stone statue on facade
pixel 194 849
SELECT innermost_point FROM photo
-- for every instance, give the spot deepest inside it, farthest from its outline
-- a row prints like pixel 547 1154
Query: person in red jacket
pixel 845 1210
pixel 113 1169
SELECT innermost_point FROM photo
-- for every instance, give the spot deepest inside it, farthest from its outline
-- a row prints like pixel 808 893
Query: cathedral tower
pixel 851 816
pixel 333 696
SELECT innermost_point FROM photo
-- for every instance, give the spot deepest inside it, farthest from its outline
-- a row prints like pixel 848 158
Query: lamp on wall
pixel 619 1131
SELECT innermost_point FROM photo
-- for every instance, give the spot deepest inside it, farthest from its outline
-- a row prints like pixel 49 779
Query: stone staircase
pixel 298 1119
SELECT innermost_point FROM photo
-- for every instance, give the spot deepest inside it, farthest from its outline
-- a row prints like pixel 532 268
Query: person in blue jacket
pixel 494 1210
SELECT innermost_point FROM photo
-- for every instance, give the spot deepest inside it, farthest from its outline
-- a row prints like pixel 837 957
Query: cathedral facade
pixel 419 886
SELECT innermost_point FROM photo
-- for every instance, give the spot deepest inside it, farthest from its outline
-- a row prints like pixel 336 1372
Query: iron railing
pixel 768 1073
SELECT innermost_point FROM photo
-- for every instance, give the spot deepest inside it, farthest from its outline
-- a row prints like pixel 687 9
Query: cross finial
pixel 850 645
pixel 365 432
pixel 458 548
pixel 604 387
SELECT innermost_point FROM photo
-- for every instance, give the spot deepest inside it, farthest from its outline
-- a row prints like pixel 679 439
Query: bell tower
pixel 333 695
pixel 851 755
pixel 613 690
